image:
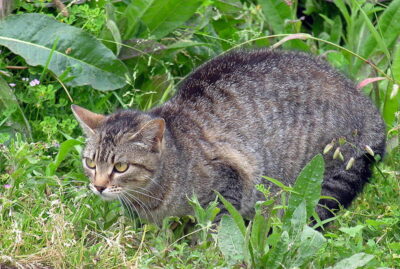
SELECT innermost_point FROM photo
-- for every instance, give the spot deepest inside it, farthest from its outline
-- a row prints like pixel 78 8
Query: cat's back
pixel 269 84
pixel 267 105
pixel 260 72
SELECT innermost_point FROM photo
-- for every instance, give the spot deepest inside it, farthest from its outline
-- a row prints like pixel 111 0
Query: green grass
pixel 49 217
pixel 56 221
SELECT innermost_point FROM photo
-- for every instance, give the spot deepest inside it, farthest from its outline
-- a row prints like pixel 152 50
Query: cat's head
pixel 123 151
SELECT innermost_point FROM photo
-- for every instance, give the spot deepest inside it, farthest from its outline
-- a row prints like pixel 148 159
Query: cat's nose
pixel 100 188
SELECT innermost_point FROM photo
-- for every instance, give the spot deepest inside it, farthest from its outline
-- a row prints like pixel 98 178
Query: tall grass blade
pixel 392 103
pixel 65 148
pixel 343 9
pixel 234 213
pixel 375 35
pixel 384 34
pixel 259 233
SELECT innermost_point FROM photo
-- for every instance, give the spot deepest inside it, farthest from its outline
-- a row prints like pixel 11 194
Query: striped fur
pixel 237 117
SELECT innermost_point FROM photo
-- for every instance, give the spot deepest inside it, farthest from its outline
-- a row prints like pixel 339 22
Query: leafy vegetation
pixel 132 54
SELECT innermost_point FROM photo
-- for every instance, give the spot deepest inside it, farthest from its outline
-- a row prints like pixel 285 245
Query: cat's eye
pixel 90 163
pixel 121 167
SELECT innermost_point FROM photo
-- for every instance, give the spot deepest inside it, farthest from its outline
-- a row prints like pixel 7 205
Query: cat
pixel 240 116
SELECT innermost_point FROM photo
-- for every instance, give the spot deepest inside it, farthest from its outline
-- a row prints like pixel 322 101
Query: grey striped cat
pixel 236 118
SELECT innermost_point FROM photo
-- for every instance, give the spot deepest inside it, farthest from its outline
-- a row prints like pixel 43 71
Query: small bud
pixel 369 150
pixel 342 141
pixel 395 90
pixel 328 148
pixel 350 163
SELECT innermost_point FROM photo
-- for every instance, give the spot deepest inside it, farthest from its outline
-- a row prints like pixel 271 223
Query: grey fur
pixel 240 116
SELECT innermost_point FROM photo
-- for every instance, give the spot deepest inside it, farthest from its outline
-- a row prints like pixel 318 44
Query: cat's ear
pixel 88 120
pixel 151 134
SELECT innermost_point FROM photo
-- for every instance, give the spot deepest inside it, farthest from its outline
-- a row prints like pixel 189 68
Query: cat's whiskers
pixel 142 205
pixel 128 205
pixel 148 210
pixel 145 208
pixel 155 182
pixel 147 191
pixel 129 196
pixel 144 194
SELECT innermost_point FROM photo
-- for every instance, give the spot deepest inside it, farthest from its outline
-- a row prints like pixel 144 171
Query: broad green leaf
pixel 160 17
pixel 132 15
pixel 10 108
pixel 276 13
pixel 65 148
pixel 356 261
pixel 230 240
pixel 235 214
pixel 387 29
pixel 164 16
pixel 310 243
pixel 298 219
pixel 88 60
pixel 352 231
pixel 307 187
